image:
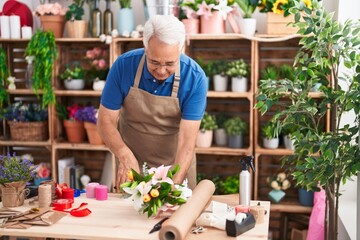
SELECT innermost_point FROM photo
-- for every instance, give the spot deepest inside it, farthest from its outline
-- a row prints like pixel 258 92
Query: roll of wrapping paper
pixel 179 224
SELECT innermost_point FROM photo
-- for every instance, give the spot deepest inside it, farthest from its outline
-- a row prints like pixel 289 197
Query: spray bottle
pixel 244 180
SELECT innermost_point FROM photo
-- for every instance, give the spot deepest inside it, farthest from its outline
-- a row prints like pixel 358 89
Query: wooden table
pixel 116 219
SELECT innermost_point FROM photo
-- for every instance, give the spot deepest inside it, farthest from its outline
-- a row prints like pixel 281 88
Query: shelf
pixel 80 146
pixel 215 94
pixel 223 151
pixel 291 207
pixel 85 93
pixel 23 92
pixel 25 143
pixel 278 151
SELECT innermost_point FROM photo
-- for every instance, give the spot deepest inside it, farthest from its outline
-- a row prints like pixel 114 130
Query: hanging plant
pixel 42 46
pixel 4 74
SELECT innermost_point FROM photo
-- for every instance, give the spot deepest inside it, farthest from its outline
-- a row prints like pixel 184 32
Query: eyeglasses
pixel 158 64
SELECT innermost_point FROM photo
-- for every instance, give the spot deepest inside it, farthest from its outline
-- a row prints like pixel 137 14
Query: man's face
pixel 162 59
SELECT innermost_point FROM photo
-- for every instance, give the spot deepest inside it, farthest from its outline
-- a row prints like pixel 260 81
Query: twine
pixel 45 196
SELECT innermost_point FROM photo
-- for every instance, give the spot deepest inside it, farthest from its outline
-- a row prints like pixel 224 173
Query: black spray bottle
pixel 245 180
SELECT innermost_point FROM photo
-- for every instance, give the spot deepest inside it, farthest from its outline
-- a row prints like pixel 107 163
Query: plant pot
pixel 271 143
pixel 204 138
pixel 248 26
pixel 289 144
pixel 220 83
pixel 13 194
pixel 76 28
pixel 74 84
pixel 213 24
pixel 75 131
pixel 191 25
pixel 239 84
pixel 306 198
pixel 92 134
pixel 98 85
pixel 126 20
pixel 54 24
pixel 235 141
pixel 220 137
pixel 276 195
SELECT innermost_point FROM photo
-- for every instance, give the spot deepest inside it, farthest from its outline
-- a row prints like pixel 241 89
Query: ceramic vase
pixel 126 20
pixel 272 143
pixel 54 23
pixel 204 138
pixel 248 26
pixel 191 25
pixel 239 84
pixel 276 195
pixel 220 83
pixel 306 198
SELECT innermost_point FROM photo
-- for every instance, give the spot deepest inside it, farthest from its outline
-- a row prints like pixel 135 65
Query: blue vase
pixel 126 20
pixel 276 195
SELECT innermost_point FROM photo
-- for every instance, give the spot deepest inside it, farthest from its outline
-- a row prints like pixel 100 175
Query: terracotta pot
pixel 75 131
pixel 92 134
pixel 13 194
pixel 54 24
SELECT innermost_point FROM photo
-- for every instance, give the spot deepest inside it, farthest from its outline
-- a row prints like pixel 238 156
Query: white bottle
pixel 245 180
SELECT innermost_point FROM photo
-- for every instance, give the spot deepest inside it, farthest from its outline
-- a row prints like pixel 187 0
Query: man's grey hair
pixel 167 28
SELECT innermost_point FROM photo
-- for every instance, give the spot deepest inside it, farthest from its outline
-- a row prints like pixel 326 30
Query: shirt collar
pixel 147 75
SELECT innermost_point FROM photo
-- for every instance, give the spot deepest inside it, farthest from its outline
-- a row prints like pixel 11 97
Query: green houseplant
pixel 4 74
pixel 247 7
pixel 238 70
pixel 270 133
pixel 42 46
pixel 270 72
pixel 235 127
pixel 321 157
pixel 205 134
pixel 73 77
pixel 75 10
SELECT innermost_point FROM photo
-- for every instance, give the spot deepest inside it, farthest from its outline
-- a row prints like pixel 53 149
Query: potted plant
pixel 99 67
pixel 279 183
pixel 73 77
pixel 270 134
pixel 73 124
pixel 15 172
pixel 191 19
pixel 235 128
pixel 287 131
pixel 76 26
pixel 220 132
pixel 43 48
pixel 52 17
pixel 27 121
pixel 88 115
pixel 205 134
pixel 286 72
pixel 126 18
pixel 207 66
pixel 270 72
pixel 219 75
pixel 324 158
pixel 247 24
pixel 4 74
pixel 238 71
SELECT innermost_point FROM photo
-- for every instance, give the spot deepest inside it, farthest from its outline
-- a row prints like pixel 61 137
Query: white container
pixel 98 85
pixel 220 83
pixel 239 84
pixel 74 84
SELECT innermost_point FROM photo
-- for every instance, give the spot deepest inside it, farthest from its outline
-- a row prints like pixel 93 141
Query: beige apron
pixel 149 125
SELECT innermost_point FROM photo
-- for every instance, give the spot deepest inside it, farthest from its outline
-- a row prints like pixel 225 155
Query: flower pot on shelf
pixel 220 137
pixel 272 143
pixel 53 23
pixel 220 83
pixel 204 138
pixel 74 84
pixel 98 85
pixel 276 24
pixel 248 26
pixel 13 193
pixel 191 25
pixel 235 141
pixel 75 131
pixel 213 24
pixel 92 134
pixel 239 84
pixel 77 28
pixel 306 198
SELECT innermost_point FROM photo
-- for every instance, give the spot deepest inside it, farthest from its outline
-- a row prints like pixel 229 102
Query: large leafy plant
pixel 321 157
pixel 42 46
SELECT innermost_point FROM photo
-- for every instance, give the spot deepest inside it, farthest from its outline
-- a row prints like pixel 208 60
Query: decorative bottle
pixel 96 20
pixel 29 71
pixel 245 180
pixel 108 19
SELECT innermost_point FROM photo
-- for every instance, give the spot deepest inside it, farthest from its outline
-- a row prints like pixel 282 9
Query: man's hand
pixel 127 161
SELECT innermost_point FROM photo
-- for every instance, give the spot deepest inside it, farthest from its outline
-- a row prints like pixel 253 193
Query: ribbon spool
pixel 62 204
pixel 101 192
pixel 90 189
pixel 68 193
pixel 45 195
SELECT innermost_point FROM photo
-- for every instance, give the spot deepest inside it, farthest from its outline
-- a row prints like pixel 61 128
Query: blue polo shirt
pixel 192 90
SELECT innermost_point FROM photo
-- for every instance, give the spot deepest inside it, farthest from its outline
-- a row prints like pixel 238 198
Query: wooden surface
pixel 116 219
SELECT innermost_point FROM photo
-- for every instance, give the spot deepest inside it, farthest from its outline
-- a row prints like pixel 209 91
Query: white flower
pixel 185 191
pixel 223 8
pixel 137 194
pixel 102 37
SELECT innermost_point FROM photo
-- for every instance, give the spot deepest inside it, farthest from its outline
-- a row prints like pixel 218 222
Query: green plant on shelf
pixel 270 72
pixel 271 130
pixel 72 71
pixel 235 126
pixel 238 68
pixel 208 122
pixel 4 74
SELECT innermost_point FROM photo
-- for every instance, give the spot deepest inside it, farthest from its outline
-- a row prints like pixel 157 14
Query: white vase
pixel 247 26
pixel 74 84
pixel 220 83
pixel 289 144
pixel 204 138
pixel 239 84
pixel 272 143
pixel 98 85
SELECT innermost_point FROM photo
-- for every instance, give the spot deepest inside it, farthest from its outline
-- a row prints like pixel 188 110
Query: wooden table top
pixel 115 218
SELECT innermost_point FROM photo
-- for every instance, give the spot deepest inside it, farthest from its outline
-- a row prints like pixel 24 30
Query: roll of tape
pixel 62 204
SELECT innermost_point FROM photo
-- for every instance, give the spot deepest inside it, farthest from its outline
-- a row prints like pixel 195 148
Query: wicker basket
pixel 29 131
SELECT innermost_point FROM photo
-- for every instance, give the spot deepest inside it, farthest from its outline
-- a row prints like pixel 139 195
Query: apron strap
pixel 176 82
pixel 139 71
